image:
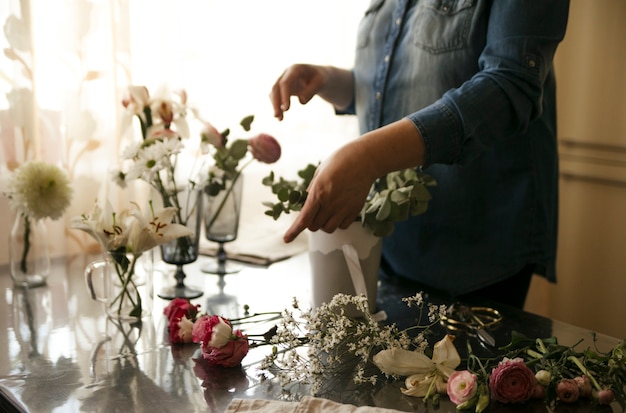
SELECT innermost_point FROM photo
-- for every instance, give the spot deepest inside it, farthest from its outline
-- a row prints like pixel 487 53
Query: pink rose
pixel 512 381
pixel 567 390
pixel 230 354
pixel 461 386
pixel 212 331
pixel 584 386
pixel 264 148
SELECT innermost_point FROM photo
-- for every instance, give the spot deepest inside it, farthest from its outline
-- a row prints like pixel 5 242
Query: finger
pixel 276 101
pixel 294 230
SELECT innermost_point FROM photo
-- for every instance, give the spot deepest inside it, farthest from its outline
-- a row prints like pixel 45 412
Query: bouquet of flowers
pixel 37 190
pixel 393 198
pixel 227 156
pixel 125 236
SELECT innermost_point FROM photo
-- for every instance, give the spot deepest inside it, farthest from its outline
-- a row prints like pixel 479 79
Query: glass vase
pixel 122 284
pixel 28 251
pixel 184 250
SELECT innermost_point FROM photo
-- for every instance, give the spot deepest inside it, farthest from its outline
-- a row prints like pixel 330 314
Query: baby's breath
pixel 336 343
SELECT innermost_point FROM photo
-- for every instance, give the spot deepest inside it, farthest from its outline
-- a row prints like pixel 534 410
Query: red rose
pixel 212 331
pixel 264 148
pixel 512 381
pixel 230 354
pixel 180 314
pixel 179 307
pixel 567 390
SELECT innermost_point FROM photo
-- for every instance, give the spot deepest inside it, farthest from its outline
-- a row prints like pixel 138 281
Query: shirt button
pixel 532 63
pixel 387 59
pixel 398 21
pixel 378 95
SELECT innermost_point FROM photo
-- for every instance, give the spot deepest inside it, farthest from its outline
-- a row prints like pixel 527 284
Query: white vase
pixel 329 255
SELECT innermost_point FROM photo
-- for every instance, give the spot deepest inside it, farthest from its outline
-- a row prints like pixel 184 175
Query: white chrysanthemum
pixel 40 190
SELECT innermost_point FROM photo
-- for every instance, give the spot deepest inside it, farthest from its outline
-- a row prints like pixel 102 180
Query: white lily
pixel 109 228
pixel 154 228
pixel 424 374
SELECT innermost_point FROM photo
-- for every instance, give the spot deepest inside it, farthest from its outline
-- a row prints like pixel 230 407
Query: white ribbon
pixel 356 273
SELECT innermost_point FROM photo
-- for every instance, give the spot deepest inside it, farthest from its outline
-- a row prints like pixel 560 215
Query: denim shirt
pixel 476 79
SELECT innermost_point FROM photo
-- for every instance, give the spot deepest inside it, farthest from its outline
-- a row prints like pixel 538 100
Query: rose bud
pixel 543 377
pixel 264 148
pixel 210 136
pixel 539 392
pixel 567 390
pixel 512 381
pixel 584 386
pixel 605 396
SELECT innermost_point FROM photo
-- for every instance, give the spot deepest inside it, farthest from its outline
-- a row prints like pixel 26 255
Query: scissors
pixel 474 320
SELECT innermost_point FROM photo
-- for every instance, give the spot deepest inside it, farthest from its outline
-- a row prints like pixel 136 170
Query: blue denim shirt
pixel 476 78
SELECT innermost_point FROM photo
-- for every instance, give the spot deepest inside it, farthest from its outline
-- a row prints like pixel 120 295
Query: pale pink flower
pixel 605 396
pixel 567 390
pixel 584 386
pixel 137 97
pixel 265 148
pixel 461 386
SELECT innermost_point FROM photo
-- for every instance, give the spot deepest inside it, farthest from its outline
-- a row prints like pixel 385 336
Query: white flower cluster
pixel 327 341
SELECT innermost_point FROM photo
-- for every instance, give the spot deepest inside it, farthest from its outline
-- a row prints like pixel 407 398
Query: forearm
pixel 396 146
pixel 338 88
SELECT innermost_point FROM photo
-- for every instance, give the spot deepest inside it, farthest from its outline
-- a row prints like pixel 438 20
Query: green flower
pixel 40 190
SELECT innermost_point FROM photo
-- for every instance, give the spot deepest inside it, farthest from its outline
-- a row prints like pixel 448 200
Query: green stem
pixel 586 372
pixel 126 278
pixel 23 262
pixel 228 192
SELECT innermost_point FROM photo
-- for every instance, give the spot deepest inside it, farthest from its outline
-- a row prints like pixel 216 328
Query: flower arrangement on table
pixel 393 198
pixel 125 236
pixel 155 159
pixel 309 347
pixel 37 190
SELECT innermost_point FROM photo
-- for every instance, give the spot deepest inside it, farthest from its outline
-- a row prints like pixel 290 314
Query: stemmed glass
pixel 221 224
pixel 184 250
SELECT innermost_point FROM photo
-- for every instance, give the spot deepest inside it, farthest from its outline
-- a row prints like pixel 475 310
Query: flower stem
pixel 585 371
pixel 24 261
pixel 228 192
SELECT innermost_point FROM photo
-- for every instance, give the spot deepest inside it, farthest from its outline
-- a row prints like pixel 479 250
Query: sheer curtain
pixel 66 65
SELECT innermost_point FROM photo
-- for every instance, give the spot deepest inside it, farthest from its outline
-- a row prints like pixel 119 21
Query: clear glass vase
pixel 28 251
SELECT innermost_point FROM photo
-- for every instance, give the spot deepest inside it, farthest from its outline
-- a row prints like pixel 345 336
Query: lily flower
pixel 154 228
pixel 109 228
pixel 425 375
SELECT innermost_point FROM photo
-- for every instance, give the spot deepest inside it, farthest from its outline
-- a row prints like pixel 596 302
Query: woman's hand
pixel 305 81
pixel 336 194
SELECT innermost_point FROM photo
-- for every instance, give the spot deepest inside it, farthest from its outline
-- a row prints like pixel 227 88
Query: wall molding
pixel 601 163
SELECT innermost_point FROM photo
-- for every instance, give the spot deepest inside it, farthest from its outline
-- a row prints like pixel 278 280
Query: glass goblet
pixel 221 224
pixel 184 250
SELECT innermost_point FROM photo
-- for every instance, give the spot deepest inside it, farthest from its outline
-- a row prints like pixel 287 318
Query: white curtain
pixel 66 64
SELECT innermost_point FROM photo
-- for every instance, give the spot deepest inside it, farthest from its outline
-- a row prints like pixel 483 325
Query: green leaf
pixel 247 122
